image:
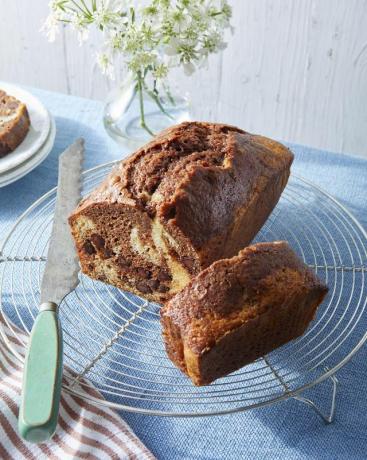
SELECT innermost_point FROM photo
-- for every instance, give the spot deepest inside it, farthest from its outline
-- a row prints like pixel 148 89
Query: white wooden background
pixel 294 69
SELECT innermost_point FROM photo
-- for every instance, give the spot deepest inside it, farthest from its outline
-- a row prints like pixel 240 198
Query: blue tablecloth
pixel 286 430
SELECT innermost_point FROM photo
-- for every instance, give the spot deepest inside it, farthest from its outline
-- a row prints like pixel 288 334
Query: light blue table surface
pixel 287 430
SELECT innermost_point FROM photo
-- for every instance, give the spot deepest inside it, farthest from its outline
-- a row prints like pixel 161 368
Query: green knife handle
pixel 42 377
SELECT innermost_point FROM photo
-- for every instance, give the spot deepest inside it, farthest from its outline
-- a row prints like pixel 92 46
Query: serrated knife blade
pixel 42 373
pixel 61 272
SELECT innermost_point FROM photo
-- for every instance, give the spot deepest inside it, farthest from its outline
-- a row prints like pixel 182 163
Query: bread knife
pixel 43 364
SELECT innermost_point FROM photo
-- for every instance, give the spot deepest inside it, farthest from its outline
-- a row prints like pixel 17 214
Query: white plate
pixel 38 131
pixel 28 165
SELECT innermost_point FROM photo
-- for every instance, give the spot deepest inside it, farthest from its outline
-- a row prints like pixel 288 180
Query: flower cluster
pixel 155 37
pixel 149 38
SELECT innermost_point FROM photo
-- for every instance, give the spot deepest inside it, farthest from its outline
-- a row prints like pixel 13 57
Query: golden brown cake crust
pixel 209 187
pixel 238 309
pixel 197 175
pixel 14 123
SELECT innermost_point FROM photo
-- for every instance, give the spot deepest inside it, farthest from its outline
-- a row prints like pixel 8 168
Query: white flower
pixel 79 23
pixel 56 5
pixel 140 61
pixel 51 27
pixel 115 41
pixel 160 72
pixel 149 37
pixel 106 65
pixel 108 13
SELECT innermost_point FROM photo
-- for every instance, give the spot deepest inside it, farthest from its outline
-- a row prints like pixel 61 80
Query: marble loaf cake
pixel 198 192
pixel 239 309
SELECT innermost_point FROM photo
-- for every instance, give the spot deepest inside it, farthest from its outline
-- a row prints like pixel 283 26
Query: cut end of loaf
pixel 134 254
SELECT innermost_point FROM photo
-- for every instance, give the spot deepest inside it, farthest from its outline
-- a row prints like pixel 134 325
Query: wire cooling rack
pixel 112 339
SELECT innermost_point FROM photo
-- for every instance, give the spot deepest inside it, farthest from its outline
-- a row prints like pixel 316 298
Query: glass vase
pixel 132 117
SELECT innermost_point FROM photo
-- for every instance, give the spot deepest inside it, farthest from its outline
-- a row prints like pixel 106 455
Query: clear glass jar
pixel 123 118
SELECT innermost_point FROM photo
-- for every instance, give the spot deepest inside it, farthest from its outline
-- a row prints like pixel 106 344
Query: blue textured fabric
pixel 285 430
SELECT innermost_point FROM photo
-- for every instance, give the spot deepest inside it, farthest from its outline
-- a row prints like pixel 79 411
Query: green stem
pixel 157 101
pixel 80 8
pixel 141 104
pixel 69 8
pixel 169 95
pixel 87 9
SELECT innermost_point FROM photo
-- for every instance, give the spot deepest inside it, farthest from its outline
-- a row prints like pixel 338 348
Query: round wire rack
pixel 112 339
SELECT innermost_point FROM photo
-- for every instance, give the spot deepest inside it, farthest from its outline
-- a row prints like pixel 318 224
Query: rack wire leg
pixel 329 417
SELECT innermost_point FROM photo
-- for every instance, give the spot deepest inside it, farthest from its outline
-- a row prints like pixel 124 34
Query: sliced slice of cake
pixel 239 309
pixel 14 123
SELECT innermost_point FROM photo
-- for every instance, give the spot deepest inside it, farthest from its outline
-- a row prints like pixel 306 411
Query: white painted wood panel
pixel 294 69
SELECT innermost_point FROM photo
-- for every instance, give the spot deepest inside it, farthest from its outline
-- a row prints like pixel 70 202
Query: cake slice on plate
pixel 14 123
